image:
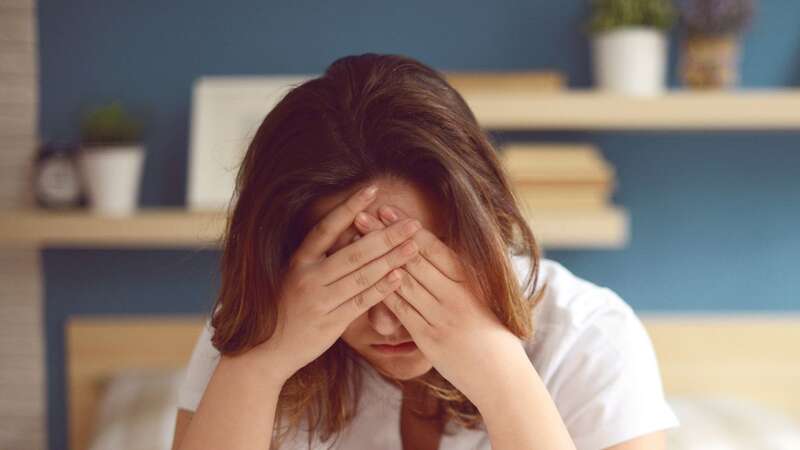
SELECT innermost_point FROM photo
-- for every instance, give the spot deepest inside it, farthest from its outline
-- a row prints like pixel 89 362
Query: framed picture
pixel 226 112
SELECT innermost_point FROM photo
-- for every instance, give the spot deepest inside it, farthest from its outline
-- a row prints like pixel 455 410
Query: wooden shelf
pixel 156 227
pixel 508 109
pixel 175 227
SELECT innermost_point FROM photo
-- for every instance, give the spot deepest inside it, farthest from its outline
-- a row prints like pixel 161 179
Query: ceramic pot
pixel 112 175
pixel 630 60
pixel 710 61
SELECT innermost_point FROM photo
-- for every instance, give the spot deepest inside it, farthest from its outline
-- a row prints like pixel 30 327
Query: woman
pixel 381 290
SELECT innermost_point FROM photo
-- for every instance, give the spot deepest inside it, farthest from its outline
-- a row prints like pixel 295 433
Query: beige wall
pixel 22 376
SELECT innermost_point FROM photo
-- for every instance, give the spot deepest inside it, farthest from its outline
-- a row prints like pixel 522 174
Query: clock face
pixel 58 181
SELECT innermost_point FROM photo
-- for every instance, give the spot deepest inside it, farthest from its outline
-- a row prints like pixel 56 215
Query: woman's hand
pixel 452 326
pixel 322 294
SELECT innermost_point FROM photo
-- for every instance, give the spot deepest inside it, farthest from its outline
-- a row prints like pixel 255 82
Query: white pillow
pixel 728 423
pixel 137 411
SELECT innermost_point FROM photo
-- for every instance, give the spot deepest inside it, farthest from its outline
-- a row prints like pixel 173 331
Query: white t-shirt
pixel 589 348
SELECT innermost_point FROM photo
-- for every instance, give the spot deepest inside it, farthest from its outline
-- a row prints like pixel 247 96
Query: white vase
pixel 112 177
pixel 630 60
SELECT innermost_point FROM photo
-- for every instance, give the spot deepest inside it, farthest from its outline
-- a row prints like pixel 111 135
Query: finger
pixel 324 234
pixel 364 277
pixel 429 276
pixel 367 223
pixel 431 247
pixel 408 316
pixel 355 255
pixel 423 301
pixel 363 301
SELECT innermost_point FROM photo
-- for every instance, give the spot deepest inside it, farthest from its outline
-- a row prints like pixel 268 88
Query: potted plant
pixel 629 44
pixel 710 57
pixel 110 159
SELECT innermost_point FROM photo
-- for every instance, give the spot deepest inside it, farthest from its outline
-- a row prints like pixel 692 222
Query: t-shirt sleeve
pixel 199 370
pixel 607 385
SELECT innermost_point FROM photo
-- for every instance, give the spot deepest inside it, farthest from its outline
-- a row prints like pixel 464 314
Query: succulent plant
pixel 717 16
pixel 109 124
pixel 610 14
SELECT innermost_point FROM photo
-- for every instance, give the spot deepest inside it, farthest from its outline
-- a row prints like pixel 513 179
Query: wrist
pixel 521 413
pixel 505 379
pixel 255 367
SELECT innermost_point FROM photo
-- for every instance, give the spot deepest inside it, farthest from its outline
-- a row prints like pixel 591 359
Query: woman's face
pixel 379 325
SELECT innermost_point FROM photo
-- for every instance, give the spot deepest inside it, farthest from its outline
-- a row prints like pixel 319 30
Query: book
pixel 564 196
pixel 555 162
pixel 493 81
pixel 559 175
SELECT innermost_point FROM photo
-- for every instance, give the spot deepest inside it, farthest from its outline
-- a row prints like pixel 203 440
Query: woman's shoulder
pixel 595 357
pixel 574 311
pixel 568 299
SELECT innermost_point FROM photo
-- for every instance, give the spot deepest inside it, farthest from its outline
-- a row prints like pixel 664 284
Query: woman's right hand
pixel 321 295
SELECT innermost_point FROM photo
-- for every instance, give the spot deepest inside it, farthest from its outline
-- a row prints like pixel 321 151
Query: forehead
pixel 409 198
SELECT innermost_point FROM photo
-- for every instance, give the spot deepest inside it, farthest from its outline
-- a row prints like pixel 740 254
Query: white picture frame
pixel 226 111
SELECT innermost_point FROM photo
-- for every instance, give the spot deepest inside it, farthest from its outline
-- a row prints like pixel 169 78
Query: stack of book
pixel 506 81
pixel 559 176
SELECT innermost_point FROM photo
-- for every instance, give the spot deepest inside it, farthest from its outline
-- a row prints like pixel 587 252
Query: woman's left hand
pixel 449 321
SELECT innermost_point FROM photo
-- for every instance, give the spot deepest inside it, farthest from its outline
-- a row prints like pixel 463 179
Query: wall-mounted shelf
pixel 508 109
pixel 155 227
pixel 497 109
pixel 175 227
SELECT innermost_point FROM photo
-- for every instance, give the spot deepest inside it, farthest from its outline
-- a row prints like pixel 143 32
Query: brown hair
pixel 367 116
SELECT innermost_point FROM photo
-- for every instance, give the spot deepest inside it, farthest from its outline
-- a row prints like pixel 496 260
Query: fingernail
pixel 369 192
pixel 411 227
pixel 389 214
pixel 362 219
pixel 372 221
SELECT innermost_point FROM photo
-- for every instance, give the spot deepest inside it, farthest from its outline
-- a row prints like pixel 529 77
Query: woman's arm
pixel 320 296
pixel 519 412
pixel 237 410
pixel 455 328
pixel 182 420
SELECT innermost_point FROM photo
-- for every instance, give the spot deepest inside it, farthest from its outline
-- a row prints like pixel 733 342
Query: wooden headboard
pixel 754 357
pixel 97 347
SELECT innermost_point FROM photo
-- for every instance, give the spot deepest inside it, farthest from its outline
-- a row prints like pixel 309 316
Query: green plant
pixel 610 14
pixel 109 124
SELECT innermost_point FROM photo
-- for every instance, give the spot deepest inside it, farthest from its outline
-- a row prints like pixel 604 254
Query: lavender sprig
pixel 717 16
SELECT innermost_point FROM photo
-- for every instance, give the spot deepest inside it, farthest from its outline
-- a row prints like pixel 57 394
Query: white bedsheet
pixel 137 412
pixel 728 423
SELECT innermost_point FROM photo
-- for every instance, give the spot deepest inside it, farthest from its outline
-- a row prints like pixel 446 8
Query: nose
pixel 383 320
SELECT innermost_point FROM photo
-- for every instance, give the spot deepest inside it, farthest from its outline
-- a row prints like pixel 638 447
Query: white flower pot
pixel 112 177
pixel 630 60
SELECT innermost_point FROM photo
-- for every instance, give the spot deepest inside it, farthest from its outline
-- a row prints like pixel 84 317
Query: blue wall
pixel 714 215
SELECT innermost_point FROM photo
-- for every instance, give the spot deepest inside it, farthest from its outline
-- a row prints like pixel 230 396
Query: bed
pixel 733 380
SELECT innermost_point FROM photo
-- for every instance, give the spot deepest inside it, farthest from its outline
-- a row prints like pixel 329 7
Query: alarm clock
pixel 56 179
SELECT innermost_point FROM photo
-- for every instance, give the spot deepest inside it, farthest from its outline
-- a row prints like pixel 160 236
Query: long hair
pixel 367 116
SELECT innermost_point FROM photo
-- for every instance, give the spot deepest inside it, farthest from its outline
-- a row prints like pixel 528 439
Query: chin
pixel 401 368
